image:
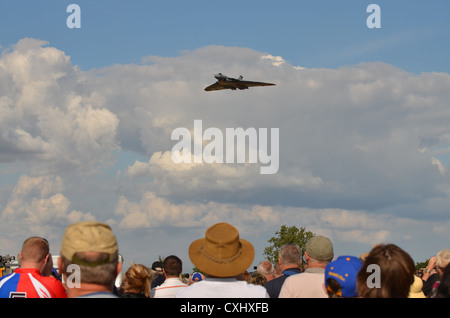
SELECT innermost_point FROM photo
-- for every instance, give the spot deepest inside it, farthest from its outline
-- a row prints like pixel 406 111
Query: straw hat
pixel 222 253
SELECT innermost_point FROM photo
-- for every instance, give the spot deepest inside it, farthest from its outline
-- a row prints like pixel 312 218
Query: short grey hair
pixel 290 254
pixel 265 268
pixel 443 258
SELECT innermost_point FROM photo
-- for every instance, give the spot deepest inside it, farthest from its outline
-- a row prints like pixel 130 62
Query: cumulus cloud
pixel 153 212
pixel 351 134
pixel 361 147
pixel 38 205
pixel 46 114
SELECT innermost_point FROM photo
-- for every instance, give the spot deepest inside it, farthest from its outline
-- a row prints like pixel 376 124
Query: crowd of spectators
pixel 89 264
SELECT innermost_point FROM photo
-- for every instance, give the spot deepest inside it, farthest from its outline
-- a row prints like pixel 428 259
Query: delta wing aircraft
pixel 225 82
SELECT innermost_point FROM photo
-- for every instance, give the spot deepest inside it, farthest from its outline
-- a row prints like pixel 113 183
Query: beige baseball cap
pixel 89 236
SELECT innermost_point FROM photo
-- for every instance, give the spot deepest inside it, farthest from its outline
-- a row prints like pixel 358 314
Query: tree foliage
pixel 284 236
pixel 422 265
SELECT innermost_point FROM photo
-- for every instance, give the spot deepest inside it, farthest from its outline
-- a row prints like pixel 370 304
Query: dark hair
pixel 172 265
pixel 443 291
pixel 396 269
pixel 334 288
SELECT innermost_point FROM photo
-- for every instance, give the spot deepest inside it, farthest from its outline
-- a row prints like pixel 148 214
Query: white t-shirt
pixel 222 288
pixel 168 289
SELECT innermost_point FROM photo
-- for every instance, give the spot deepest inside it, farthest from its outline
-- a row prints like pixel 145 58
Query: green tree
pixel 196 270
pixel 284 236
pixel 421 265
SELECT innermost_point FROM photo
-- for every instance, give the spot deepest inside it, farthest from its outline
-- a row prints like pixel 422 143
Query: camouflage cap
pixel 89 236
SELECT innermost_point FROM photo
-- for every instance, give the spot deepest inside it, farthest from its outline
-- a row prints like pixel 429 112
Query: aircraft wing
pixel 252 84
pixel 215 87
pixel 235 85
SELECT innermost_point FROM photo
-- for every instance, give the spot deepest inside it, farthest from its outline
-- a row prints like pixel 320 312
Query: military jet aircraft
pixel 225 82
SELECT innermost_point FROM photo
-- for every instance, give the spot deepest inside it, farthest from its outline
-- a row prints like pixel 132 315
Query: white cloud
pixel 46 115
pixel 38 205
pixel 439 164
pixel 359 145
pixel 153 212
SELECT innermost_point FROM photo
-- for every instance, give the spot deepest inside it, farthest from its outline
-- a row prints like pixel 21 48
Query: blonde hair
pixel 256 278
pixel 138 279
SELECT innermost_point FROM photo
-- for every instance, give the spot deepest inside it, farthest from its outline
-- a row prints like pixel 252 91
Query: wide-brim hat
pixel 221 253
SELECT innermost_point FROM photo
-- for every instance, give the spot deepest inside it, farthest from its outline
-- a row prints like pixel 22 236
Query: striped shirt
pixel 29 283
pixel 168 289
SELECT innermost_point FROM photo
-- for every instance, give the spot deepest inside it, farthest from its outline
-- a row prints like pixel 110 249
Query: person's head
pixel 277 270
pixel 387 272
pixel 290 254
pixel 157 268
pixel 91 246
pixel 221 253
pixel 172 266
pixel 266 268
pixel 196 277
pixel 319 251
pixel 257 278
pixel 35 253
pixel 442 260
pixel 340 277
pixel 137 279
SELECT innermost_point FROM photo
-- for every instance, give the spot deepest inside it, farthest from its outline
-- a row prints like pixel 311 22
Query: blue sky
pixel 312 34
pixel 363 118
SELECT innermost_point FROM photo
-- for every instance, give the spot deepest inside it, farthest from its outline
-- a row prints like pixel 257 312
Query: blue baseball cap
pixel 196 277
pixel 344 270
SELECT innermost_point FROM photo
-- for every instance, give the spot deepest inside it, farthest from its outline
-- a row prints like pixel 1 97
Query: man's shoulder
pixel 295 279
pixel 224 288
pixel 171 282
pixel 6 277
pixel 276 281
pixel 303 278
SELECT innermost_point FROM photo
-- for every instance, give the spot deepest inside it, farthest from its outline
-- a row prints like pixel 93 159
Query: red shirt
pixel 29 283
